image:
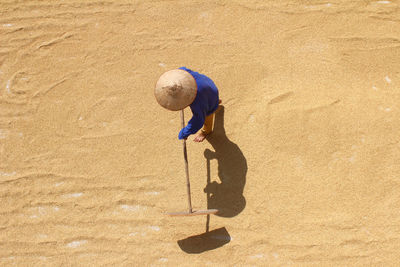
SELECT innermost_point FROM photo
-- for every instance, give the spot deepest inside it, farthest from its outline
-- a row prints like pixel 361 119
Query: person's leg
pixel 207 127
pixel 208 124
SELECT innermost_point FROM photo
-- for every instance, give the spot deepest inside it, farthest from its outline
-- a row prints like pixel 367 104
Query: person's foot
pixel 219 106
pixel 200 137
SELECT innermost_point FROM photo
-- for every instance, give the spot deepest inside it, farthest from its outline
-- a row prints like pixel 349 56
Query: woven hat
pixel 175 89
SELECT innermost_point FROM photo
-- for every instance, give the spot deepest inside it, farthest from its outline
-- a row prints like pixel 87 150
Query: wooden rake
pixel 189 212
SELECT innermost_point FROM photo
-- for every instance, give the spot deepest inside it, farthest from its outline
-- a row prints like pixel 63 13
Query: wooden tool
pixel 189 212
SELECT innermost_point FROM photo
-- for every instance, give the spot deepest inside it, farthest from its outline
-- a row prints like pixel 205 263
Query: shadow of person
pixel 226 196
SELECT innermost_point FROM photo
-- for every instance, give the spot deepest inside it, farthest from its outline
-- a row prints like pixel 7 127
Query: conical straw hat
pixel 175 89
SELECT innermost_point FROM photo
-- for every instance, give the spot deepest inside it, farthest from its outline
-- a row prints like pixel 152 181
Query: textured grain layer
pixel 303 165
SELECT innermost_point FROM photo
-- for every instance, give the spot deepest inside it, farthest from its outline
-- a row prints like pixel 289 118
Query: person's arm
pixel 195 124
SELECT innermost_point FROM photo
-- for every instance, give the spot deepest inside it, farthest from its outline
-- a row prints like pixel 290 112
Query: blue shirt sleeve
pixel 195 124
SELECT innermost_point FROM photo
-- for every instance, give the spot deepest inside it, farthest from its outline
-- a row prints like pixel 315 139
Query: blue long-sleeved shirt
pixel 205 103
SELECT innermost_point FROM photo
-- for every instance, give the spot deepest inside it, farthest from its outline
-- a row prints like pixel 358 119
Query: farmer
pixel 179 88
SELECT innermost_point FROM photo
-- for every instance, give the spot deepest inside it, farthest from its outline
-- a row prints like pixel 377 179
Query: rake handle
pixel 186 164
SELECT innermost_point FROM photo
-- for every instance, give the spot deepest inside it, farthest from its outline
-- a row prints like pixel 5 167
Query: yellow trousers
pixel 208 124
